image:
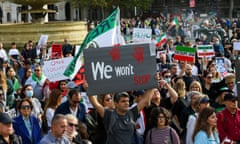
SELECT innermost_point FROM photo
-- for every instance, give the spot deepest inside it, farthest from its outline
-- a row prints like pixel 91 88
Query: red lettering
pixel 142 79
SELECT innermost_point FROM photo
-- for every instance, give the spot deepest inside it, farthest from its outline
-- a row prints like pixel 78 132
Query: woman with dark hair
pixel 62 86
pixel 27 92
pixel 27 74
pixel 205 131
pixel 53 102
pixel 161 132
pixel 26 125
pixel 13 85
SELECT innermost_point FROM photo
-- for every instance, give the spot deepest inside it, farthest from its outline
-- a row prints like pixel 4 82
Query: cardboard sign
pixel 117 69
pixel 43 40
pixel 56 51
pixel 141 35
pixel 54 69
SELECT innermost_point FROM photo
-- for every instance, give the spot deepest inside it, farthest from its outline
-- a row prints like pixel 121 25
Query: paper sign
pixel 236 46
pixel 117 69
pixel 220 65
pixel 43 40
pixel 56 51
pixel 141 35
pixel 54 69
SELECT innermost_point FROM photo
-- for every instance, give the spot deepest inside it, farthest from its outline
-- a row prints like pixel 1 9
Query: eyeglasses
pixel 167 76
pixel 37 70
pixel 209 77
pixel 25 107
pixel 72 124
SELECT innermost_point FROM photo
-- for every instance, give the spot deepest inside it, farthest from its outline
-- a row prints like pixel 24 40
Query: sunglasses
pixel 25 107
pixel 37 70
pixel 72 124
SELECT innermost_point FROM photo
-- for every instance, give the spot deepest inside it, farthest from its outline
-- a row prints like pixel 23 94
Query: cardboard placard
pixel 117 69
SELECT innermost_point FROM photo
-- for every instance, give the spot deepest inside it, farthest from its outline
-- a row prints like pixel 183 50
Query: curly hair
pixel 155 114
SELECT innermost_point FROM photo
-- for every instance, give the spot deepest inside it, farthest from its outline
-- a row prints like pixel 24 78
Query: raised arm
pixel 146 101
pixel 99 108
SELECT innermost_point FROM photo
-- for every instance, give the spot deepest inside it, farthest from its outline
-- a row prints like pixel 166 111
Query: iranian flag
pixel 174 22
pixel 106 33
pixel 184 54
pixel 205 50
pixel 161 40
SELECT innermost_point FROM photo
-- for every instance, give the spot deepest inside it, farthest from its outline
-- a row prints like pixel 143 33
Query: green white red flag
pixel 106 33
pixel 161 40
pixel 184 54
pixel 205 50
pixel 174 22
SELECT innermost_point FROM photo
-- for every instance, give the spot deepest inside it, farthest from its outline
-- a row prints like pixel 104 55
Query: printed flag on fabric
pixel 106 33
pixel 161 40
pixel 184 54
pixel 205 50
pixel 174 22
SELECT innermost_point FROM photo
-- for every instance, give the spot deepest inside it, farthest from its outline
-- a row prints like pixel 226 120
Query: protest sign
pixel 43 40
pixel 54 69
pixel 56 51
pixel 205 50
pixel 236 46
pixel 184 54
pixel 120 68
pixel 142 35
pixel 220 65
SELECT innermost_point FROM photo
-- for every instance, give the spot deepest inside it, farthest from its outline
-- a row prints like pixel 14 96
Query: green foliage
pixel 142 4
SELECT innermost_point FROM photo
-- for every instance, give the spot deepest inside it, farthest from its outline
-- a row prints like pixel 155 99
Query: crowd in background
pixel 193 103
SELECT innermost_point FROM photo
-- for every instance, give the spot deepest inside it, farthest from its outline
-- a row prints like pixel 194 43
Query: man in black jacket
pixel 7 135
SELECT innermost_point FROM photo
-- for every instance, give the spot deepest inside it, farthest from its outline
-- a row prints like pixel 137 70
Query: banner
pixel 54 69
pixel 56 51
pixel 117 69
pixel 142 35
pixel 205 50
pixel 184 54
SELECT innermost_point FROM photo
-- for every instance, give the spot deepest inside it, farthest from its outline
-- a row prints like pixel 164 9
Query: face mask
pixel 217 42
pixel 37 60
pixel 29 93
pixel 168 80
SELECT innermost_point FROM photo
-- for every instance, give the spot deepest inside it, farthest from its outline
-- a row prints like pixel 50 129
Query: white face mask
pixel 217 42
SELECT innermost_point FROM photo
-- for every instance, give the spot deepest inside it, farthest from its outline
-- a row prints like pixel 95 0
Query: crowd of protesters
pixel 194 102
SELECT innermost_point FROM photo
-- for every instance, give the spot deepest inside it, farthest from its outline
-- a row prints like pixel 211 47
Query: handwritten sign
pixel 142 35
pixel 117 69
pixel 54 69
pixel 56 51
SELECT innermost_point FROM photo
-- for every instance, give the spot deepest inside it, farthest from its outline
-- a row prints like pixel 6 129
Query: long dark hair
pixel 202 123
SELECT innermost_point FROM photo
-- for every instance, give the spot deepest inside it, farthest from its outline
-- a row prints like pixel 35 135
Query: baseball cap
pixel 229 97
pixel 5 118
pixel 138 93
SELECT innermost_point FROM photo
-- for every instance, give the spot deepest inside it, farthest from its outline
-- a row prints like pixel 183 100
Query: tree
pixel 109 4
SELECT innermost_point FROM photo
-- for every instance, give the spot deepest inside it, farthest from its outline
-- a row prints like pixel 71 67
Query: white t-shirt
pixel 13 52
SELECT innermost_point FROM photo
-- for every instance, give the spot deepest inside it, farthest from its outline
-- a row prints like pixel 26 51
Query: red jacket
pixel 228 125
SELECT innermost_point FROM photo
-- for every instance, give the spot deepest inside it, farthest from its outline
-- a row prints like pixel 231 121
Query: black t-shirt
pixel 120 128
